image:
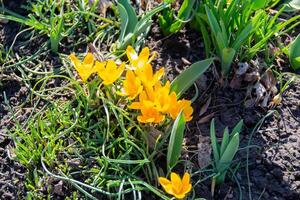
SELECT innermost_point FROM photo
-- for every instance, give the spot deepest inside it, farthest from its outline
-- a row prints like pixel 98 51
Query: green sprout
pixel 224 152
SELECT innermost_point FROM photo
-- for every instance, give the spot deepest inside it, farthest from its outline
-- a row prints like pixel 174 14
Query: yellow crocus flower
pixel 176 106
pixel 108 71
pixel 150 114
pixel 85 68
pixel 188 110
pixel 177 187
pixel 147 77
pixel 162 96
pixel 139 61
pixel 132 85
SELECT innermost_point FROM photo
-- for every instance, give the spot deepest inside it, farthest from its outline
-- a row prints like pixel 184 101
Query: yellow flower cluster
pixel 108 71
pixel 155 100
pixel 177 187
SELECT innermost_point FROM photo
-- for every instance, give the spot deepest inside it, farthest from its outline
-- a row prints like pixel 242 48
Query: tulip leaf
pixel 256 5
pixel 214 141
pixel 292 5
pixel 229 153
pixel 187 78
pixel 227 58
pixel 224 154
pixel 294 53
pixel 132 17
pixel 225 141
pixel 176 139
pixel 124 21
pixel 237 128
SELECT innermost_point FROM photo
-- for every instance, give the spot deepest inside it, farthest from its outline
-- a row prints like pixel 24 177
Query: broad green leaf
pixel 229 153
pixel 124 21
pixel 259 4
pixel 292 5
pixel 294 53
pixel 214 141
pixel 176 139
pixel 225 141
pixel 150 13
pixel 187 78
pixel 243 36
pixel 212 21
pixel 186 9
pixel 237 128
pixel 132 17
pixel 228 55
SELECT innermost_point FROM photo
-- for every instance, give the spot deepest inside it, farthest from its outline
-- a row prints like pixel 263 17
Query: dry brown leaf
pixel 103 5
pixel 243 68
pixel 236 82
pixel 185 61
pixel 252 76
pixel 153 136
pixel 260 91
pixel 205 106
pixel 265 101
pixel 207 118
pixel 268 80
pixel 204 151
pixel 276 101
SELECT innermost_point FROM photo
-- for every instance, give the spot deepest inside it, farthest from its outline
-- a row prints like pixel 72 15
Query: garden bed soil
pixel 274 155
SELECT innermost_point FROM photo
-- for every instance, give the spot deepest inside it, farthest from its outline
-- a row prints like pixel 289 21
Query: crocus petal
pixel 89 59
pixel 74 60
pixel 163 181
pixel 144 55
pixel 99 66
pixel 131 54
pixel 176 182
pixel 187 188
pixel 152 56
pixel 179 196
pixel 166 184
pixel 159 74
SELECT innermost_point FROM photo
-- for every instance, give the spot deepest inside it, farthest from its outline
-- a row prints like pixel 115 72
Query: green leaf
pixel 225 141
pixel 176 139
pixel 214 141
pixel 293 5
pixel 212 21
pixel 132 17
pixel 237 128
pixel 294 53
pixel 229 153
pixel 259 4
pixel 124 21
pixel 228 55
pixel 186 9
pixel 187 78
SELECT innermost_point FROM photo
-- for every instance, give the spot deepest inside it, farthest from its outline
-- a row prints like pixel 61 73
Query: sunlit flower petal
pixel 176 187
pixel 138 61
pixel 132 85
pixel 176 183
pixel 84 69
pixel 110 73
pixel 186 185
